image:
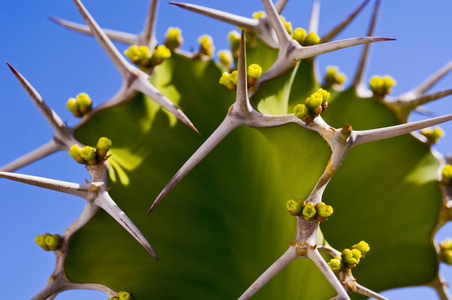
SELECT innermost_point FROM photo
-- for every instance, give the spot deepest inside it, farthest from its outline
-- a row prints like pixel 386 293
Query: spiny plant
pixel 244 201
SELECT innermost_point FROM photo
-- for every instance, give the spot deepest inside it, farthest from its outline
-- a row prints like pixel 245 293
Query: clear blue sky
pixel 60 64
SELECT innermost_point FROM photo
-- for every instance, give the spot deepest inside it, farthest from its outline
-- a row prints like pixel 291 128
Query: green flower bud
pixel 446 256
pixel 351 257
pixel 447 174
pixel 299 35
pixel 314 101
pixel 363 247
pixel 324 210
pixel 72 105
pixel 300 111
pixel 432 135
pixel 309 211
pixel 335 264
pixel 53 242
pixel 446 244
pixel 206 45
pixel 258 14
pixel 294 207
pixel 225 57
pixel 234 38
pixel 173 38
pixel 88 153
pixel 311 39
pixel 124 296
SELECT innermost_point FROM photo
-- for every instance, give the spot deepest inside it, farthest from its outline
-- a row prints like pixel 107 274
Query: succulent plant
pixel 240 179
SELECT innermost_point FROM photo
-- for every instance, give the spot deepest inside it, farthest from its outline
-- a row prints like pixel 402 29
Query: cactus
pixel 244 208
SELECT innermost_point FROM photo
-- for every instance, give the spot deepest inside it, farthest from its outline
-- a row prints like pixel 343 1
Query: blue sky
pixel 60 64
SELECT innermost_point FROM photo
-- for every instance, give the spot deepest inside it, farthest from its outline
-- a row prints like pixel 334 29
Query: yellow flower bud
pixel 258 14
pixel 206 45
pixel 311 39
pixel 299 35
pixel 225 57
pixel 173 38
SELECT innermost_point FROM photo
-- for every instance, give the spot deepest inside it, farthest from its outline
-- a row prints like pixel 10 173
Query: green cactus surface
pixel 186 194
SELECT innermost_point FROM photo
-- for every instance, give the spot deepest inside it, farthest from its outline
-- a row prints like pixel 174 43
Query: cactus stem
pixel 143 85
pixel 120 62
pixel 80 190
pixel 369 293
pixel 106 203
pixel 279 5
pixel 62 132
pixel 360 72
pixel 315 256
pixel 403 106
pixel 217 136
pixel 126 69
pixel 281 32
pixel 366 136
pixel 118 36
pixel 441 287
pixel 97 196
pixel 242 100
pixel 260 26
pixel 427 84
pixel 315 17
pixel 336 30
pixel 51 147
pixel 289 256
pixel 246 23
pixel 147 37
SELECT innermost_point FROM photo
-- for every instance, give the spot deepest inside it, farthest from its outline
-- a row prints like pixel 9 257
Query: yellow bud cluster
pixel 229 80
pixel 89 155
pixel 381 86
pixel 446 251
pixel 309 211
pixel 313 106
pixel 432 135
pixel 333 77
pixel 173 38
pixel 349 257
pixel 140 56
pixel 304 39
pixel 80 106
pixel 48 241
pixel 206 45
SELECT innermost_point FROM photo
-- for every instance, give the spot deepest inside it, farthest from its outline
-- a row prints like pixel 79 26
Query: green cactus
pixel 223 223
